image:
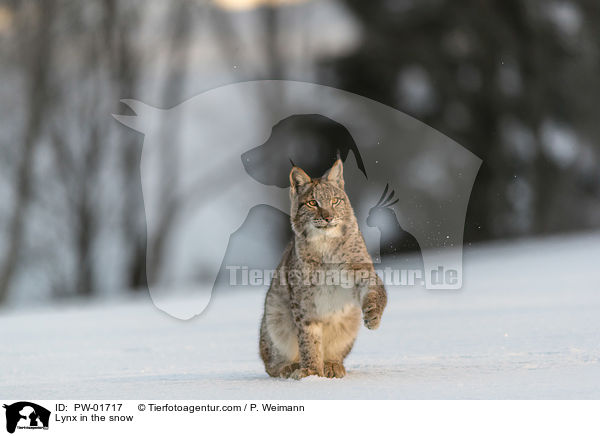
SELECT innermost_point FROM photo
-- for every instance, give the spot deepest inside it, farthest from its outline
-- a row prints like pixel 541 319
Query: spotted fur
pixel 309 326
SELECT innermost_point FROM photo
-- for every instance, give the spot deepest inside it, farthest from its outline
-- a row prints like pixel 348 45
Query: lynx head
pixel 319 205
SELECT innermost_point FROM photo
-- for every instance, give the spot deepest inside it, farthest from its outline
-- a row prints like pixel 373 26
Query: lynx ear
pixel 298 178
pixel 335 174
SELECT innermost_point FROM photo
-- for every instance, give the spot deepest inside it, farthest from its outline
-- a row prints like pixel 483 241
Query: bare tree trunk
pixel 37 97
pixel 271 20
pixel 118 28
pixel 86 218
pixel 172 94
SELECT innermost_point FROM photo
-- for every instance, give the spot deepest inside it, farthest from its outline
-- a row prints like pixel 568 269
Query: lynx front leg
pixel 310 343
pixel 370 293
pixel 373 302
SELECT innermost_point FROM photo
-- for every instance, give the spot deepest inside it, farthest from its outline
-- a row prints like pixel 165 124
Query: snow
pixel 525 325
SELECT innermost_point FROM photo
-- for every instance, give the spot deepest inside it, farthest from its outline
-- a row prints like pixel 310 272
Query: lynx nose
pixel 327 218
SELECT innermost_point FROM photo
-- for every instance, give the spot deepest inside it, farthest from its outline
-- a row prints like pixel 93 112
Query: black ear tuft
pixel 298 178
pixel 335 174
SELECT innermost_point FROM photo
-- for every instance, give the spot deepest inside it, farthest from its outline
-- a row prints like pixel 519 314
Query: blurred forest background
pixel 516 82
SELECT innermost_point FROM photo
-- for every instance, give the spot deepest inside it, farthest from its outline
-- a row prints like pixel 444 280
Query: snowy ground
pixel 526 325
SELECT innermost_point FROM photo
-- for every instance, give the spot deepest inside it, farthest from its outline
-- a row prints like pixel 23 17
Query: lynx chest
pixel 333 300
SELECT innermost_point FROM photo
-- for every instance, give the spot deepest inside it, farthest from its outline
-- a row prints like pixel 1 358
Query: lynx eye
pixel 312 203
pixel 336 201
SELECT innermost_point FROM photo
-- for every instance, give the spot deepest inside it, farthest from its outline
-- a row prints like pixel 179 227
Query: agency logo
pixel 25 415
pixel 208 162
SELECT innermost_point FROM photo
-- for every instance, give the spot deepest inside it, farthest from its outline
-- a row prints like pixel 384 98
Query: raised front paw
pixel 334 369
pixel 372 311
pixel 303 372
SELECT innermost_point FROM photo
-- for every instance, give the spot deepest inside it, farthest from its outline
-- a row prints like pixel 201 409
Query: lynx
pixel 309 324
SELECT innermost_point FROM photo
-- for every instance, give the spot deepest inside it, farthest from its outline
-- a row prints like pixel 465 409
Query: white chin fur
pixel 325 230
